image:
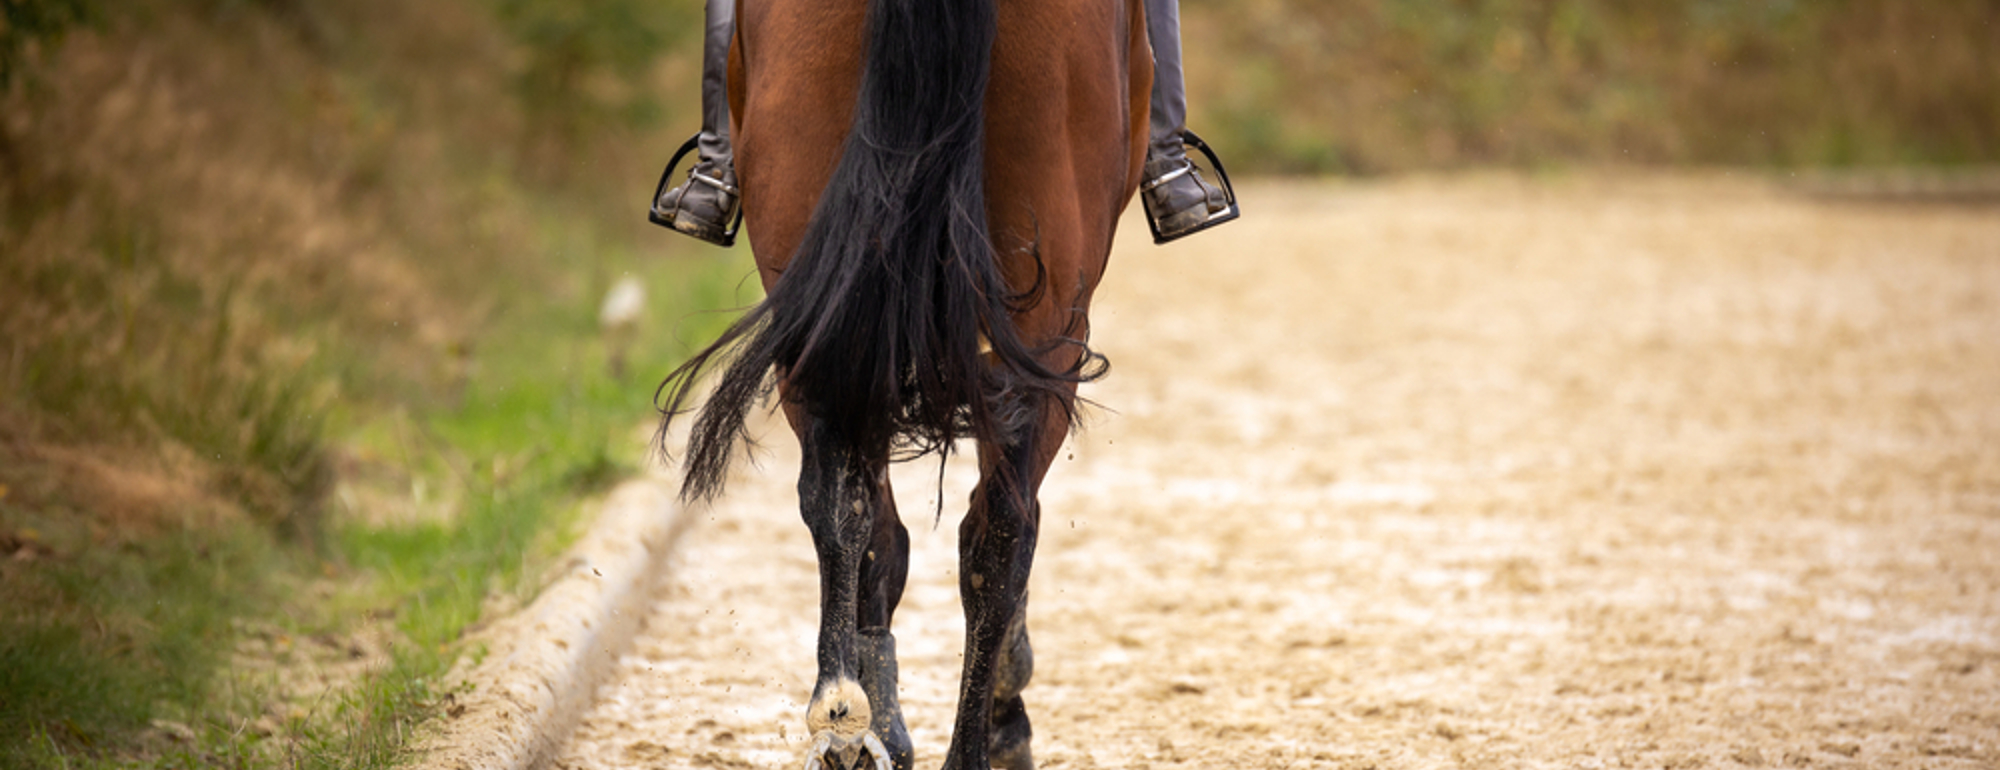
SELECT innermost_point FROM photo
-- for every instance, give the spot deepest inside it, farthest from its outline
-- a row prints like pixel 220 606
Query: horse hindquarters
pixel 889 318
pixel 878 308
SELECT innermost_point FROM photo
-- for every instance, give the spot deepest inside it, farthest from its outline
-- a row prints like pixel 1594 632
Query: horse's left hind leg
pixel 842 489
pixel 996 547
pixel 884 571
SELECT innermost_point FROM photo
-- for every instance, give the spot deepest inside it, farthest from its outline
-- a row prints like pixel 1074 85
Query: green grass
pixel 360 398
pixel 105 638
pixel 168 487
pixel 544 426
pixel 127 631
pixel 226 406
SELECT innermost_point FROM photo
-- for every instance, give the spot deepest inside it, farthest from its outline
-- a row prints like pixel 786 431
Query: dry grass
pixel 238 239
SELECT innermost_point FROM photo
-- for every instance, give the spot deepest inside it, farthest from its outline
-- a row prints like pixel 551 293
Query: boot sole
pixel 1188 223
pixel 693 228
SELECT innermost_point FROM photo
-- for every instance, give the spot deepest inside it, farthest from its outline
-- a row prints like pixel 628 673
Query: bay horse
pixel 930 189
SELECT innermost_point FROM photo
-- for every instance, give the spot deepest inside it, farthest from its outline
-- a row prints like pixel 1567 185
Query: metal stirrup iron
pixel 728 237
pixel 1227 214
pixel 1168 177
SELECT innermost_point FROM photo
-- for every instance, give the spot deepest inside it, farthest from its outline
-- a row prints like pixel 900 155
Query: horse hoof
pixel 1008 736
pixel 831 751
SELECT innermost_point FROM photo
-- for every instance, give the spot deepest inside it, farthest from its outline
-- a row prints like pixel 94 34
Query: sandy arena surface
pixel 1490 472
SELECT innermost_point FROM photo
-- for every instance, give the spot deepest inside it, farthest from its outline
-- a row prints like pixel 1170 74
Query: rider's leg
pixel 705 205
pixel 1175 196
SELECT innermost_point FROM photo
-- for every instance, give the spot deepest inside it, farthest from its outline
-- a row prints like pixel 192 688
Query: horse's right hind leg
pixel 996 554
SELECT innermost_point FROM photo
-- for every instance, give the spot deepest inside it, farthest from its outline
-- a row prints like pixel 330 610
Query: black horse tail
pixel 879 326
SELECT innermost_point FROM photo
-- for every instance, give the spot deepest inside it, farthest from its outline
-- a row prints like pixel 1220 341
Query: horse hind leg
pixel 878 682
pixel 839 490
pixel 996 553
pixel 885 570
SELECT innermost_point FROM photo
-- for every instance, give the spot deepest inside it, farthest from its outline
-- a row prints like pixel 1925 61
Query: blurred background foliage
pixel 299 292
pixel 26 26
pixel 1363 86
pixel 585 67
pixel 1379 86
pixel 299 340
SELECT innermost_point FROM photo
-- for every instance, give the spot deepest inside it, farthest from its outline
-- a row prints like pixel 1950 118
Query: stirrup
pixel 724 239
pixel 1227 214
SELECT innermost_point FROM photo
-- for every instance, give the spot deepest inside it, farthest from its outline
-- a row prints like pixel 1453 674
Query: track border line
pixel 544 663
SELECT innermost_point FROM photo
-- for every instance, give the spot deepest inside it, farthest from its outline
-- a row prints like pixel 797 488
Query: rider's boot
pixel 705 205
pixel 1177 200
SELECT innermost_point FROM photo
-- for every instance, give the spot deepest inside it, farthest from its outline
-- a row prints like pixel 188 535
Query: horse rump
pixel 892 322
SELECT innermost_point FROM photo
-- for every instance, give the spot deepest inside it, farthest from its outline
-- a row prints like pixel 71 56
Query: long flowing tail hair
pixel 880 322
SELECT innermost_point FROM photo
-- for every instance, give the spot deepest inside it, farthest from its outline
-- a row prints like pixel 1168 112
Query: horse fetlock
pixel 878 679
pixel 1016 663
pixel 841 708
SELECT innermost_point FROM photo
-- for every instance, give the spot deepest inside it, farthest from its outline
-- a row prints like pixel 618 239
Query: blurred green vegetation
pixel 1376 86
pixel 299 340
pixel 26 26
pixel 586 66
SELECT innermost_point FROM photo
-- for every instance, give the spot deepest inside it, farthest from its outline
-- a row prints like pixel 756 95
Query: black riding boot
pixel 1177 200
pixel 705 205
